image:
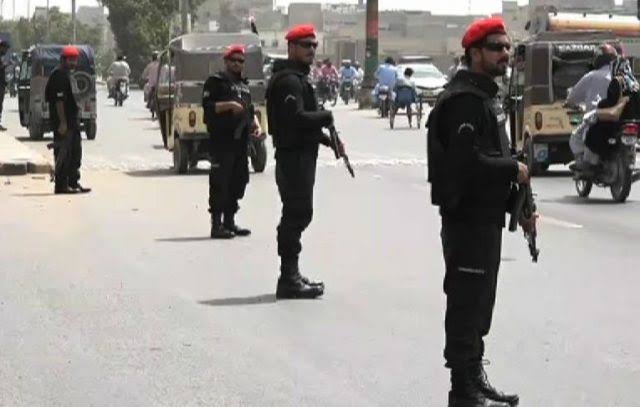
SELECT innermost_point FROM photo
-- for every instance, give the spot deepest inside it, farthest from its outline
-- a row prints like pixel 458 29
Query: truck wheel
pixel 36 132
pixel 259 156
pixel 180 156
pixel 583 187
pixel 91 129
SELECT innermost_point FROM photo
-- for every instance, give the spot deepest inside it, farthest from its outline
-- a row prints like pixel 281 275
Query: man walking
pixel 296 123
pixel 471 172
pixel 64 116
pixel 229 116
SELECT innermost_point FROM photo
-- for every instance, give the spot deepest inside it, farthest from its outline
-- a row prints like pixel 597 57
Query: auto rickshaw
pixel 544 69
pixel 190 60
pixel 37 64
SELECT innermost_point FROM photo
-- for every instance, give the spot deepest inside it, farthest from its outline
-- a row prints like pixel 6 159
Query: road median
pixel 18 159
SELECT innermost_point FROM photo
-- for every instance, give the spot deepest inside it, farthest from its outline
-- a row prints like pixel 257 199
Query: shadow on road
pixel 164 172
pixel 35 194
pixel 158 147
pixel 27 139
pixel 554 174
pixel 184 239
pixel 575 200
pixel 239 301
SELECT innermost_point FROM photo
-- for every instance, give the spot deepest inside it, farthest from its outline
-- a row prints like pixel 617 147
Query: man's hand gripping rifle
pixel 338 149
pixel 524 212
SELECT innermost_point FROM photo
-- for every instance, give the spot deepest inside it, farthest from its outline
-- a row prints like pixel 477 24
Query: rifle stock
pixel 525 206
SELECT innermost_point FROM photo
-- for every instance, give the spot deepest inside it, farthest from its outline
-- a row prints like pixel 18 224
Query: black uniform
pixel 69 156
pixel 229 138
pixel 471 171
pixel 296 123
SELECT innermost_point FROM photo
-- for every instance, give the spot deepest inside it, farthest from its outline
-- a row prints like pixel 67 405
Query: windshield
pixel 426 71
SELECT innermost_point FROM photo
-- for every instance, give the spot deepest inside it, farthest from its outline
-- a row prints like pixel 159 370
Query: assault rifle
pixel 338 149
pixel 525 206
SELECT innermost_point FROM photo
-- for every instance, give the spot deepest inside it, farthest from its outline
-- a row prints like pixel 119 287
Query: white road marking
pixel 561 223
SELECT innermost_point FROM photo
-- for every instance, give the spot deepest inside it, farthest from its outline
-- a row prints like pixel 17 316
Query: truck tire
pixel 91 129
pixel 180 156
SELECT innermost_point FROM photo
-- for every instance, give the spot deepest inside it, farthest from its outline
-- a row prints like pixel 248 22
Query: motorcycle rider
pixel 386 75
pixel 329 73
pixel 119 69
pixel 406 93
pixel 347 74
pixel 588 92
pixel 150 76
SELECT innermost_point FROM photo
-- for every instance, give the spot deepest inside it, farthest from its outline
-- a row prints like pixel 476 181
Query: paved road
pixel 119 297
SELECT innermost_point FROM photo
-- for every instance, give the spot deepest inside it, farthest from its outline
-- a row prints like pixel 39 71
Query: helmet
pixel 70 52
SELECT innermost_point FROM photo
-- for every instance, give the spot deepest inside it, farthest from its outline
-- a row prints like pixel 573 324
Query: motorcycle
pixel 327 91
pixel 617 171
pixel 347 91
pixel 121 91
pixel 384 103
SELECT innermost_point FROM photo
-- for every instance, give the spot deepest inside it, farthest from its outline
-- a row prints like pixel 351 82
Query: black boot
pixel 217 230
pixel 489 391
pixel 465 391
pixel 230 224
pixel 292 285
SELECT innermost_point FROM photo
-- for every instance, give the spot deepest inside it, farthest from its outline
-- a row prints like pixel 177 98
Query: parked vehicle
pixel 37 64
pixel 190 60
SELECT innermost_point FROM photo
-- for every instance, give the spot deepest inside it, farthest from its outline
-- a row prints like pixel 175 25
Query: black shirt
pixel 59 89
pixel 227 130
pixel 295 120
pixel 470 164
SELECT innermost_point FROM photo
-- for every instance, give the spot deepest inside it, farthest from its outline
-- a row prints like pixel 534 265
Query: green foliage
pixel 27 32
pixel 142 26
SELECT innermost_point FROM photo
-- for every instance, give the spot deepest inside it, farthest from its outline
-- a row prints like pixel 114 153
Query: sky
pixel 436 6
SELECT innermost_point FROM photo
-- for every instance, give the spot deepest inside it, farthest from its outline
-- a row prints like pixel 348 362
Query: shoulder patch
pixel 467 127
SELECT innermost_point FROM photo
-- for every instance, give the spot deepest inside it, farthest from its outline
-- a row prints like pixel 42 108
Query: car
pixel 428 79
pixel 37 64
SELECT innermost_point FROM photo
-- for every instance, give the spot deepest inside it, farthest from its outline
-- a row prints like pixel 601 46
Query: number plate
pixel 629 140
pixel 541 152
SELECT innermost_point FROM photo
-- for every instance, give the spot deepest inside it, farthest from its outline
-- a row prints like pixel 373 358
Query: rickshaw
pixel 192 58
pixel 409 100
pixel 37 64
pixel 544 69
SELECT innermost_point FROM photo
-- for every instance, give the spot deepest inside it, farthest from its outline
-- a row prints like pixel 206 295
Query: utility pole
pixel 371 54
pixel 184 15
pixel 73 18
pixel 47 36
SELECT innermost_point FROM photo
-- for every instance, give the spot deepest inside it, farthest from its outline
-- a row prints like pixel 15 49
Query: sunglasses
pixel 497 46
pixel 307 44
pixel 236 60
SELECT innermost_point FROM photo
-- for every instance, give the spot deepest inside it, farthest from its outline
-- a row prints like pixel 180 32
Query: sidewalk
pixel 18 159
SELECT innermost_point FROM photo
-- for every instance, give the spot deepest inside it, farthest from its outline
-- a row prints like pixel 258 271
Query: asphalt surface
pixel 118 297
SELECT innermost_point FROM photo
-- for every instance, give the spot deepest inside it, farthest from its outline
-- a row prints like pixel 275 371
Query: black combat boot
pixel 230 224
pixel 217 230
pixel 488 390
pixel 465 391
pixel 292 285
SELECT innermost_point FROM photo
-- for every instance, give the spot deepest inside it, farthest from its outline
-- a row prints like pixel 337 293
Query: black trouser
pixel 68 158
pixel 472 259
pixel 3 89
pixel 228 180
pixel 295 176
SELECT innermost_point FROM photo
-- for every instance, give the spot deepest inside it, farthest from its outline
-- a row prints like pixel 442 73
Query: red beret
pixel 70 52
pixel 234 49
pixel 301 31
pixel 479 30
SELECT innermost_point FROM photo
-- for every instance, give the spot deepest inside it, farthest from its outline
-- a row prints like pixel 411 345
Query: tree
pixel 142 26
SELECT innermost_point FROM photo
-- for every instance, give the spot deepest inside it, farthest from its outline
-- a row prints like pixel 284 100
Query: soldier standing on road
pixel 296 123
pixel 4 47
pixel 66 130
pixel 471 171
pixel 230 119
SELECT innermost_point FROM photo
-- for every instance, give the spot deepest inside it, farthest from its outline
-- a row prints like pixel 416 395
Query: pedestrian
pixel 230 119
pixel 296 123
pixel 66 130
pixel 471 172
pixel 4 48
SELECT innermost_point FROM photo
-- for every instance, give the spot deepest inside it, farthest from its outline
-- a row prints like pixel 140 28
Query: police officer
pixel 471 172
pixel 230 119
pixel 296 123
pixel 66 129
